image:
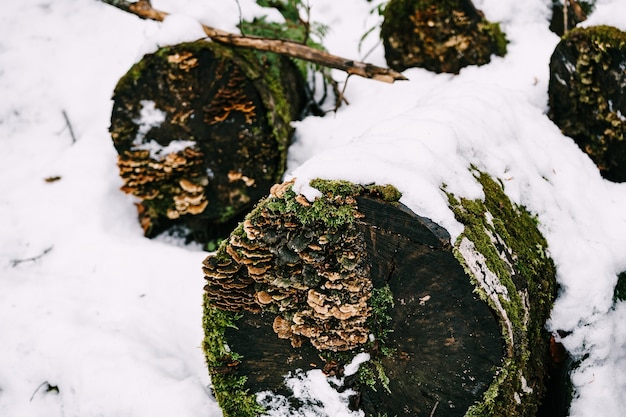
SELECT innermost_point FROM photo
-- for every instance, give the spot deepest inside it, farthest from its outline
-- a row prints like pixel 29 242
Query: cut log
pixel 202 132
pixel 438 36
pixel 305 290
pixel 586 95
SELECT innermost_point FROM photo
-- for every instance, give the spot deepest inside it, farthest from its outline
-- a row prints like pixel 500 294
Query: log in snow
pixel 356 290
pixel 202 133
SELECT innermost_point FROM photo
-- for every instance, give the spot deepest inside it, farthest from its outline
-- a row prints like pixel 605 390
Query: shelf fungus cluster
pixel 313 277
pixel 201 131
pixel 177 182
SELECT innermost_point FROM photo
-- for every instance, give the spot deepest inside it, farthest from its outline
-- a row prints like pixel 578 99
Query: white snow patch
pixel 150 117
pixel 318 394
pixel 353 367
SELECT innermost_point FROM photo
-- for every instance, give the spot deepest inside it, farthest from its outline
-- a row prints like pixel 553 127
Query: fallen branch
pixel 69 126
pixel 144 10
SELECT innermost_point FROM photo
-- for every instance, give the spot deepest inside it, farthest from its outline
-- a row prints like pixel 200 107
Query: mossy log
pixel 586 95
pixel 202 132
pixel 440 36
pixel 445 328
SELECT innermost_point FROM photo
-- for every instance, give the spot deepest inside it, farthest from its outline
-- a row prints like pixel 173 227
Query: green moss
pixel 495 32
pixel 515 251
pixel 233 398
pixel 335 208
pixel 294 28
pixel 388 193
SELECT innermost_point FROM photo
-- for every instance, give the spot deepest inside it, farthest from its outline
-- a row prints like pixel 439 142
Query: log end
pixel 202 133
pixel 354 274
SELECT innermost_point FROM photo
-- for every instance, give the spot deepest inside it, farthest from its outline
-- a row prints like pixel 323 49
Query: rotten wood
pixel 144 10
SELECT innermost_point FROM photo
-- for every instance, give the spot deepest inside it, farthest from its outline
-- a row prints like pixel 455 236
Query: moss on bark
pixel 506 256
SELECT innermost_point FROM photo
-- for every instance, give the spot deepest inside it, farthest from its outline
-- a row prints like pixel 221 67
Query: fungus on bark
pixel 440 36
pixel 586 95
pixel 309 285
pixel 202 131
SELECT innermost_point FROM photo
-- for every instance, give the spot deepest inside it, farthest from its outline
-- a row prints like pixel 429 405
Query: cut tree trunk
pixel 438 36
pixel 202 132
pixel 586 95
pixel 448 328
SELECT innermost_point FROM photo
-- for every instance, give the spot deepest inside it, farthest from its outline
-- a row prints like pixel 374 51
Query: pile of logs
pixel 442 327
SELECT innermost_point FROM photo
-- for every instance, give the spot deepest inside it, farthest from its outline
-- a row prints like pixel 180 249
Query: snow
pixel 113 320
pixel 316 393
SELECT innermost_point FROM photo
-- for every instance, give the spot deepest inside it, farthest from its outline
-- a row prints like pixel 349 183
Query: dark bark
pixel 202 133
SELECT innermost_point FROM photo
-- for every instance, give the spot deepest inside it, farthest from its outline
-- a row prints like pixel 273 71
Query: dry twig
pixel 16 262
pixel 144 10
pixel 69 126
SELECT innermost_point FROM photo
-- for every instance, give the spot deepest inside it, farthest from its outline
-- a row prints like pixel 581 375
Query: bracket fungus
pixel 309 285
pixel 440 36
pixel 202 131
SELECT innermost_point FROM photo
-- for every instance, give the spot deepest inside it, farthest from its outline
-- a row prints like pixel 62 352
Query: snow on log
pixel 202 131
pixel 438 36
pixel 586 95
pixel 353 295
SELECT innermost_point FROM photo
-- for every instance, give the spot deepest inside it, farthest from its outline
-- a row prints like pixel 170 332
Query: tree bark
pixel 449 328
pixel 202 133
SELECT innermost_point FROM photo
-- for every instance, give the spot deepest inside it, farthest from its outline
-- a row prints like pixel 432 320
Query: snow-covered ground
pixel 96 320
